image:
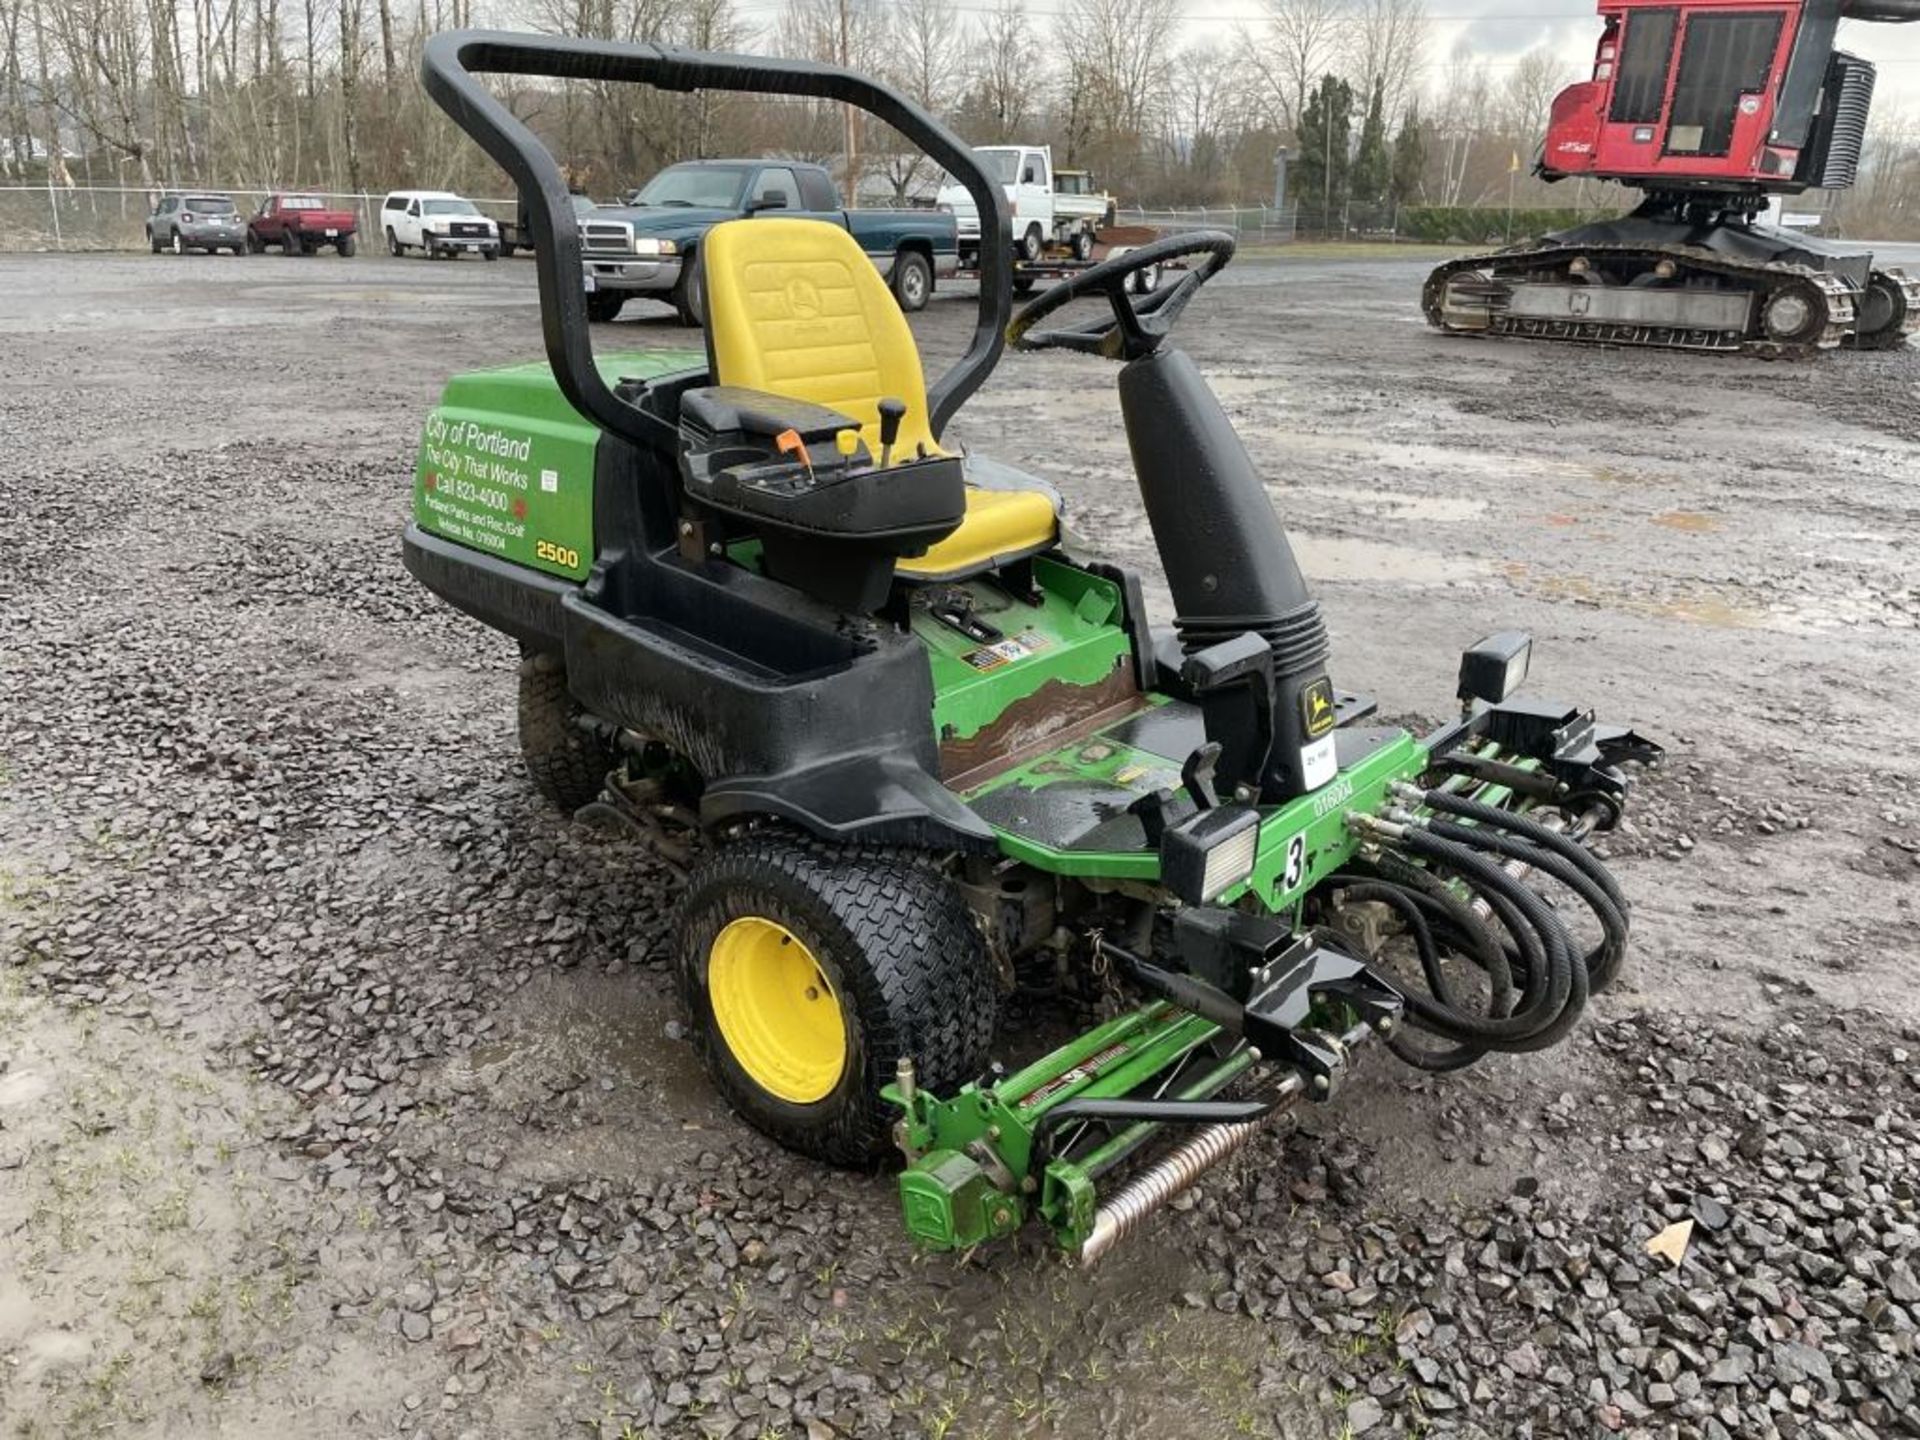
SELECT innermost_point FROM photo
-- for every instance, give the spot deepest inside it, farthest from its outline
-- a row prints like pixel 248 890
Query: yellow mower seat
pixel 795 308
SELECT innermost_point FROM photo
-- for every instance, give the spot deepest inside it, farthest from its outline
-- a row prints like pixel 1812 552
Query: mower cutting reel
pixel 1711 110
pixel 936 756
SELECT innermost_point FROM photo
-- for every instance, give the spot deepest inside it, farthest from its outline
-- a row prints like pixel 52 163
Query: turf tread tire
pixel 903 952
pixel 566 764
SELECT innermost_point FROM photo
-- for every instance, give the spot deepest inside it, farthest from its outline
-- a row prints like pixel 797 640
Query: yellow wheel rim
pixel 776 1010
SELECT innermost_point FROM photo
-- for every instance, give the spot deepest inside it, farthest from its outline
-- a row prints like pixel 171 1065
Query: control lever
pixel 788 442
pixel 892 412
pixel 847 443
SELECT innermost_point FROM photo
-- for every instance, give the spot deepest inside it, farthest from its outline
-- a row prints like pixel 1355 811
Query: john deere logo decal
pixel 1316 707
pixel 803 298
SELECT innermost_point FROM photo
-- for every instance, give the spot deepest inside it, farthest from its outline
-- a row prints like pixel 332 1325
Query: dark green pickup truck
pixel 647 245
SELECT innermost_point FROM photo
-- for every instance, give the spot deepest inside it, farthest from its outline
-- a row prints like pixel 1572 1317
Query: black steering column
pixel 1233 574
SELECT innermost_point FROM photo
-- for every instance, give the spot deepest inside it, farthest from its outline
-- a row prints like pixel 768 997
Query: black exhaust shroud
pixel 1231 570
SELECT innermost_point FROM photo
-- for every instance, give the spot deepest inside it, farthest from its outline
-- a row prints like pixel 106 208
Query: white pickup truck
pixel 1042 216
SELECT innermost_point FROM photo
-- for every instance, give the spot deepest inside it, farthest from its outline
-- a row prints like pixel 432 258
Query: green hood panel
pixel 506 463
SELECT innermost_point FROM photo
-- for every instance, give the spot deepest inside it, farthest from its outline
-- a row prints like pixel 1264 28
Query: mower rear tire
pixel 809 970
pixel 567 764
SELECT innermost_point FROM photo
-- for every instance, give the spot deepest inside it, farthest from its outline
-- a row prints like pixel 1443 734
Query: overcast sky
pixel 1503 30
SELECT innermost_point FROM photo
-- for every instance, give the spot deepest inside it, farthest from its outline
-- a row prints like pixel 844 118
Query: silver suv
pixel 196 222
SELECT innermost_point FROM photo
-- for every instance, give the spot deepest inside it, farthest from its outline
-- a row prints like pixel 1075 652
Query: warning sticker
pixel 1005 652
pixel 1086 1069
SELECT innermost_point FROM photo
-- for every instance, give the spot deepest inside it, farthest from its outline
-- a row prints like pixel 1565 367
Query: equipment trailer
pixel 935 753
pixel 1709 107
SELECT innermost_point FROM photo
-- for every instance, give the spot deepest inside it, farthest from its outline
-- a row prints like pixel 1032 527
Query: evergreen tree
pixel 1373 162
pixel 1409 158
pixel 1326 136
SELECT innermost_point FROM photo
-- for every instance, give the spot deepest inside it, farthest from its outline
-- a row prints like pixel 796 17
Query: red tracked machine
pixel 1710 107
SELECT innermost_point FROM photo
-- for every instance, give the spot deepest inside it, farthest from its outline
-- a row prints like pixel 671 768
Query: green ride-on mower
pixel 939 760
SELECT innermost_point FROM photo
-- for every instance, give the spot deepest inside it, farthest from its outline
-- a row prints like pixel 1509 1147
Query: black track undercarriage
pixel 1682 273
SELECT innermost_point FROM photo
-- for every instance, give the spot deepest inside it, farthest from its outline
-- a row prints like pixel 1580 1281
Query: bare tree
pixel 929 66
pixel 350 62
pixel 49 112
pixel 1005 73
pixel 1461 120
pixel 1119 59
pixel 103 49
pixel 1208 88
pixel 1387 43
pixel 707 25
pixel 1886 199
pixel 853 34
pixel 15 129
pixel 1527 96
pixel 1300 41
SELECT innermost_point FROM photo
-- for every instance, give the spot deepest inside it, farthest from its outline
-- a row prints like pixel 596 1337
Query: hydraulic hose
pixel 1571 850
pixel 1468 930
pixel 1408 904
pixel 1556 989
pixel 1603 962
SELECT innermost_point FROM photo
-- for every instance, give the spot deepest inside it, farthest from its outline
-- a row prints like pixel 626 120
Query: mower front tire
pixel 567 764
pixel 809 970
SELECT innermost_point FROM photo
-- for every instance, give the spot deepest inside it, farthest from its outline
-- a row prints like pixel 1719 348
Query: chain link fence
pixel 105 217
pixel 1387 224
pixel 1252 224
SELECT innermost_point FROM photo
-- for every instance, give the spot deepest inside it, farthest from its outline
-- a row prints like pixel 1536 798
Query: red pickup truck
pixel 299 225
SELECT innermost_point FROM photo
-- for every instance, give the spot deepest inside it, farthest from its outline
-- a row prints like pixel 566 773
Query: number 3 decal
pixel 1296 862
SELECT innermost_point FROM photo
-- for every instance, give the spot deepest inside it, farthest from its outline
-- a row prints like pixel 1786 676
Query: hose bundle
pixel 1537 983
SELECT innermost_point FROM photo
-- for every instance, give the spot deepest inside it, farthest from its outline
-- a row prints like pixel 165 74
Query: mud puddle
pixel 1338 557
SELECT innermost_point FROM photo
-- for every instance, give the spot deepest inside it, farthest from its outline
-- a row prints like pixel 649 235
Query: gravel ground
pixel 341 1093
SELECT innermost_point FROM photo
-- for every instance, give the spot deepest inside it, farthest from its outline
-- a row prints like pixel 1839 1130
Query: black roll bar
pixel 454 58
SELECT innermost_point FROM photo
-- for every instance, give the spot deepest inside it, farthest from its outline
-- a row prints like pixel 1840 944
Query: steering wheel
pixel 1135 330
